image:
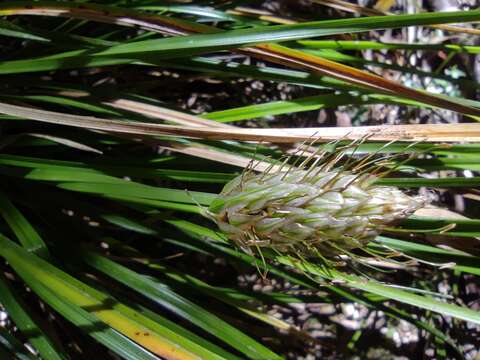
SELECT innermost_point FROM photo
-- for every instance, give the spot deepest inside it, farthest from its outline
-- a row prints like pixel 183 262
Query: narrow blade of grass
pixel 152 336
pixel 164 296
pixel 27 325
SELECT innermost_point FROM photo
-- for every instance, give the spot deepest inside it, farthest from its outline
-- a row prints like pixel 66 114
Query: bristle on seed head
pixel 309 210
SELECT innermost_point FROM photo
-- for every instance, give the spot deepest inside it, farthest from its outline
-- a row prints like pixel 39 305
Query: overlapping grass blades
pixel 102 196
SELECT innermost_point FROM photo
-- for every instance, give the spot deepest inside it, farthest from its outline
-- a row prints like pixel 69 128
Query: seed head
pixel 308 212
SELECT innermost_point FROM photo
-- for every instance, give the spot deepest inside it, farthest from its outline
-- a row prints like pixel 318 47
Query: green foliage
pixel 105 246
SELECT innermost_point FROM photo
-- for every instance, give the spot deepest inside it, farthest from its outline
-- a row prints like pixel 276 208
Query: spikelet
pixel 309 211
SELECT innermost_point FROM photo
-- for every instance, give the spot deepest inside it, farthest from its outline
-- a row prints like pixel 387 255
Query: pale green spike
pixel 331 212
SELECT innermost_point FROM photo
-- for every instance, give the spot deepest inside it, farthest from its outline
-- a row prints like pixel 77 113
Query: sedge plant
pixel 146 173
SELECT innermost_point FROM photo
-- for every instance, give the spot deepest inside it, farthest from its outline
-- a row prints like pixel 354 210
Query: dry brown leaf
pixel 439 213
pixel 205 152
pixel 157 112
pixel 411 133
pixel 468 245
